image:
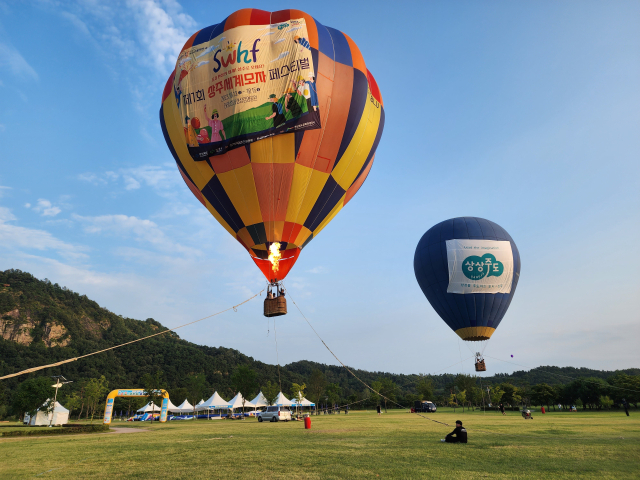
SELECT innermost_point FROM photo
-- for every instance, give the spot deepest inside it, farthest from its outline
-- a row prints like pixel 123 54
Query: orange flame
pixel 274 256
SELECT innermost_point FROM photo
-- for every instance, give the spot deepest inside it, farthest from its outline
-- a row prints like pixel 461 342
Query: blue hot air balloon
pixel 468 268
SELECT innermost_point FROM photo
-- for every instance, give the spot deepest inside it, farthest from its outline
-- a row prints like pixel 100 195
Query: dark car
pixel 425 406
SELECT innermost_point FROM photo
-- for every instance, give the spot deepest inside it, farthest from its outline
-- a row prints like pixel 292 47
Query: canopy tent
pixel 303 403
pixel 172 408
pixel 58 416
pixel 260 401
pixel 200 403
pixel 236 402
pixel 149 407
pixel 185 407
pixel 214 402
pixel 282 401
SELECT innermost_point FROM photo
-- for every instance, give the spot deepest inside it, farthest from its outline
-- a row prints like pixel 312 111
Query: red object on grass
pixel 307 423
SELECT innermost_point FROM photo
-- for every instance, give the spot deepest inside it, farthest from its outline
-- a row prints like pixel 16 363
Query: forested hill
pixel 42 322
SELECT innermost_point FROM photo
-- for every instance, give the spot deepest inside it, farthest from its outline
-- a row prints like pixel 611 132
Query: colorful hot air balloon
pixel 468 268
pixel 289 119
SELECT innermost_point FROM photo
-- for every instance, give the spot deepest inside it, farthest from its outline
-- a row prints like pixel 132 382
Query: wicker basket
pixel 274 307
pixel 480 366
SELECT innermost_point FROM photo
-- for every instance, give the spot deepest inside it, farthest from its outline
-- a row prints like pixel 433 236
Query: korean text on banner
pixel 479 266
pixel 248 83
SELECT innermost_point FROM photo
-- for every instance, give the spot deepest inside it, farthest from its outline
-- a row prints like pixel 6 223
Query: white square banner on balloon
pixel 479 266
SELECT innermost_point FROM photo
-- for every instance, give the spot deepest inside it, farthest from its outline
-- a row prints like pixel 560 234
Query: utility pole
pixel 55 398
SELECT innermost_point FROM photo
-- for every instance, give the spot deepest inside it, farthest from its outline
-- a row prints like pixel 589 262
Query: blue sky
pixel 525 113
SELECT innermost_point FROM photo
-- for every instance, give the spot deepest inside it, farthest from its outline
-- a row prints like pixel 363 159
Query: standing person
pixel 459 434
pixel 625 404
pixel 502 408
pixel 216 125
pixel 378 409
pixel 276 108
pixel 291 105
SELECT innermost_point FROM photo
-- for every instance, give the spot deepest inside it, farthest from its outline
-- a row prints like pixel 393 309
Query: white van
pixel 275 414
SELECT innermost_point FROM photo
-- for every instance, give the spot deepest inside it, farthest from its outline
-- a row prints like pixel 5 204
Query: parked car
pixel 425 406
pixel 275 414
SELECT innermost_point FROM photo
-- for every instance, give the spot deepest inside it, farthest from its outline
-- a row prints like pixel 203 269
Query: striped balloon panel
pixel 287 188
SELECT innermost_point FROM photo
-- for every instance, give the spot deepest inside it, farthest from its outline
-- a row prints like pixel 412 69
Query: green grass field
pixel 359 445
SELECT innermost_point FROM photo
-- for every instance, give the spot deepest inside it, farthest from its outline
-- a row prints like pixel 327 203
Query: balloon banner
pixel 479 266
pixel 246 84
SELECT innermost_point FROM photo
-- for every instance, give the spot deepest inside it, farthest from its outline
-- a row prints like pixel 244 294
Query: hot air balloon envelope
pixel 273 120
pixel 468 268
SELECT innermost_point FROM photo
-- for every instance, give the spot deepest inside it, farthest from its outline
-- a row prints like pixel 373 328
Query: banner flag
pixel 479 266
pixel 246 84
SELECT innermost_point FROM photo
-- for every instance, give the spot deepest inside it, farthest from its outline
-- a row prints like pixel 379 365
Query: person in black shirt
pixel 626 406
pixel 276 108
pixel 291 104
pixel 459 435
pixel 502 408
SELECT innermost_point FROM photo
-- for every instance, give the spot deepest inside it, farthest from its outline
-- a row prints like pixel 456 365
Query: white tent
pixel 59 415
pixel 282 401
pixel 186 407
pixel 214 402
pixel 236 402
pixel 200 403
pixel 172 408
pixel 260 401
pixel 149 407
pixel 303 403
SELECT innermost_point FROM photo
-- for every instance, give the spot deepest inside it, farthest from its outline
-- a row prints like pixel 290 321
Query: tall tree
pixel 95 392
pixel 333 393
pixel 196 386
pixel 153 385
pixel 33 394
pixel 244 381
pixel 317 384
pixel 542 394
pixel 270 392
pixel 389 390
pixel 424 386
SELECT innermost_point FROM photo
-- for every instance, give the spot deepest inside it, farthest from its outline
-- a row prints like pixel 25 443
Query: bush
pixel 58 431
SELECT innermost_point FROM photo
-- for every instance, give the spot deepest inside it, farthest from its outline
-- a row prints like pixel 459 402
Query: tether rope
pixel 349 370
pixel 69 360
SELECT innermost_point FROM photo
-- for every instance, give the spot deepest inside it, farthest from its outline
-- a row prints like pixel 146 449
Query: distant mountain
pixel 42 322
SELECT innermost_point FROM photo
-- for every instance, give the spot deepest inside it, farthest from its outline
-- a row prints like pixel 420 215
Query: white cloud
pixel 163 29
pixel 163 179
pixel 46 208
pixel 27 205
pixel 12 60
pixel 142 230
pixel 3 190
pixel 76 22
pixel 130 183
pixel 14 237
pixel 319 269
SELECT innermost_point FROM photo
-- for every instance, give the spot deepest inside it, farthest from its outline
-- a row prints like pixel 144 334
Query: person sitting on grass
pixel 459 435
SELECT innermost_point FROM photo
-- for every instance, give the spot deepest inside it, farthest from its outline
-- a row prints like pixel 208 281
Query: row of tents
pixel 216 402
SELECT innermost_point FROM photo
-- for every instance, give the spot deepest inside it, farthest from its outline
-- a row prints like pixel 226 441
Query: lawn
pixel 359 445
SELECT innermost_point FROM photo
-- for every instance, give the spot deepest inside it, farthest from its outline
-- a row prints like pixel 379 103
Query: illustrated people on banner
pixel 217 129
pixel 291 105
pixel 303 42
pixel 190 133
pixel 308 90
pixel 276 108
pixel 177 91
pixel 203 136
